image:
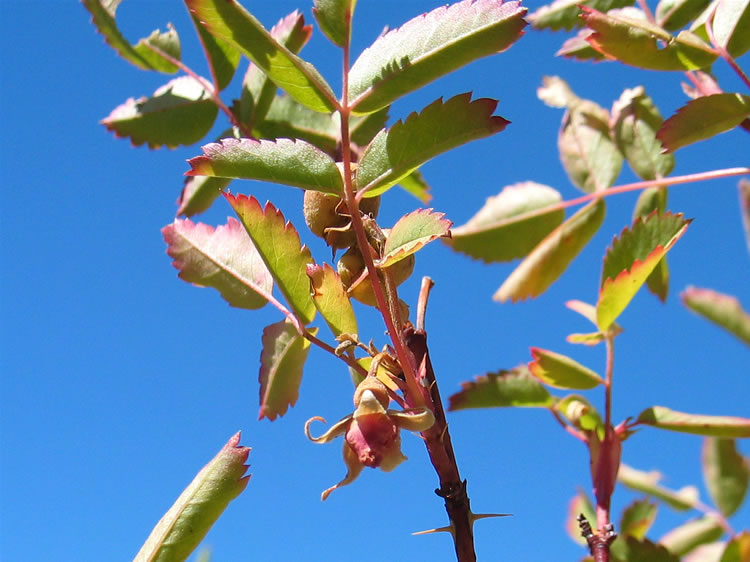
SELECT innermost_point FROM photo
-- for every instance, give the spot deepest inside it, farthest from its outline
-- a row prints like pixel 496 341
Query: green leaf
pixel 689 536
pixel 430 46
pixel 515 387
pixel 222 57
pixel 731 19
pixel 183 527
pixel 648 483
pixel 416 185
pixel 581 413
pixel 644 550
pixel 279 245
pixel 103 17
pixel 655 199
pixel 291 162
pixel 564 14
pixel 228 20
pixel 179 113
pixel 510 224
pixel 223 258
pixel 703 118
pixel 591 338
pixel 441 126
pixel 331 299
pixel 363 128
pixel 281 362
pixel 635 121
pixel 580 504
pixel 712 426
pixel 676 14
pixel 639 43
pixel 637 518
pixel 578 47
pixel 411 233
pixel 199 193
pixel 738 549
pixel 723 310
pixel 726 474
pixel 631 259
pixel 552 255
pixel 335 19
pixel 560 371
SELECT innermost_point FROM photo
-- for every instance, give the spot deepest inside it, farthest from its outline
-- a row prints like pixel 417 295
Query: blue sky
pixel 119 381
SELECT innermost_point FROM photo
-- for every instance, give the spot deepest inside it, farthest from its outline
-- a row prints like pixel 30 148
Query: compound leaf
pixel 411 233
pixel 516 387
pixel 698 424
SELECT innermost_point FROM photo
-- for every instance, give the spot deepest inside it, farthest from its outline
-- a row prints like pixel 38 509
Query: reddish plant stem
pixel 721 50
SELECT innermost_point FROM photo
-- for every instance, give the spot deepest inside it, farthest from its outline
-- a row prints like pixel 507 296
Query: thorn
pixel 448 529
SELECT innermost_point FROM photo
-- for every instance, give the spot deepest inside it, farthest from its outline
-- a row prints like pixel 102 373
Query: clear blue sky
pixel 119 381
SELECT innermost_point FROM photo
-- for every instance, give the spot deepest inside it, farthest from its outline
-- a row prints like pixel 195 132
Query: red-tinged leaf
pixel 730 22
pixel 510 224
pixel 639 43
pixel 578 47
pixel 281 362
pixel 416 185
pixel 588 311
pixel 441 126
pixel 430 46
pixel 698 424
pixel 726 474
pixel 331 299
pixel 637 518
pixel 560 371
pixel 723 310
pixel 744 190
pixel 223 258
pixel 581 414
pixel 291 162
pixel 222 57
pixel 183 527
pixel 703 118
pixel 515 387
pixel 689 536
pixel 552 255
pixel 103 17
pixel 279 245
pixel 228 20
pixel 655 199
pixel 631 259
pixel 580 504
pixel 179 113
pixel 564 14
pixel 199 193
pixel 411 233
pixel 335 19
pixel 648 483
pixel 738 549
pixel 676 14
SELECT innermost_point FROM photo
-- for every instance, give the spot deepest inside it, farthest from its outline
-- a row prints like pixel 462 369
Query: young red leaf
pixel 631 259
pixel 199 506
pixel 564 14
pixel 279 245
pixel 103 17
pixel 515 387
pixel 198 193
pixel 703 118
pixel 689 536
pixel 738 549
pixel 655 199
pixel 291 162
pixel 561 371
pixel 726 474
pixel 228 20
pixel 579 504
pixel 411 233
pixel 223 258
pixel 510 224
pixel 178 113
pixel 396 152
pixel 552 255
pixel 723 310
pixel 281 362
pixel 430 46
pixel 637 518
pixel 676 14
pixel 335 19
pixel 648 483
pixel 331 299
pixel 639 43
pixel 222 56
pixel 698 424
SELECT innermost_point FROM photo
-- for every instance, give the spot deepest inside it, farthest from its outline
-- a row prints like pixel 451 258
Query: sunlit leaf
pixel 580 504
pixel 738 549
pixel 730 22
pixel 335 19
pixel 363 128
pixel 744 190
pixel 646 45
pixel 103 17
pixel 703 118
pixel 430 46
pixel 591 338
pixel 416 185
pixel 222 57
pixel 552 255
pixel 712 426
pixel 578 47
pixel 411 233
pixel 279 245
pixel 631 259
pixel 555 92
pixel 223 258
pixel 198 193
pixel 228 20
pixel 281 362
pixel 290 162
pixel 510 224
pixel 394 153
pixel 655 199
pixel 726 474
pixel 634 550
pixel 710 552
pixel 560 371
pixel 183 527
pixel 580 412
pixel 637 518
pixel 330 298
pixel 588 311
pixel 676 14
pixel 515 387
pixel 690 535
pixel 564 14
pixel 723 310
pixel 178 113
pixel 648 483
